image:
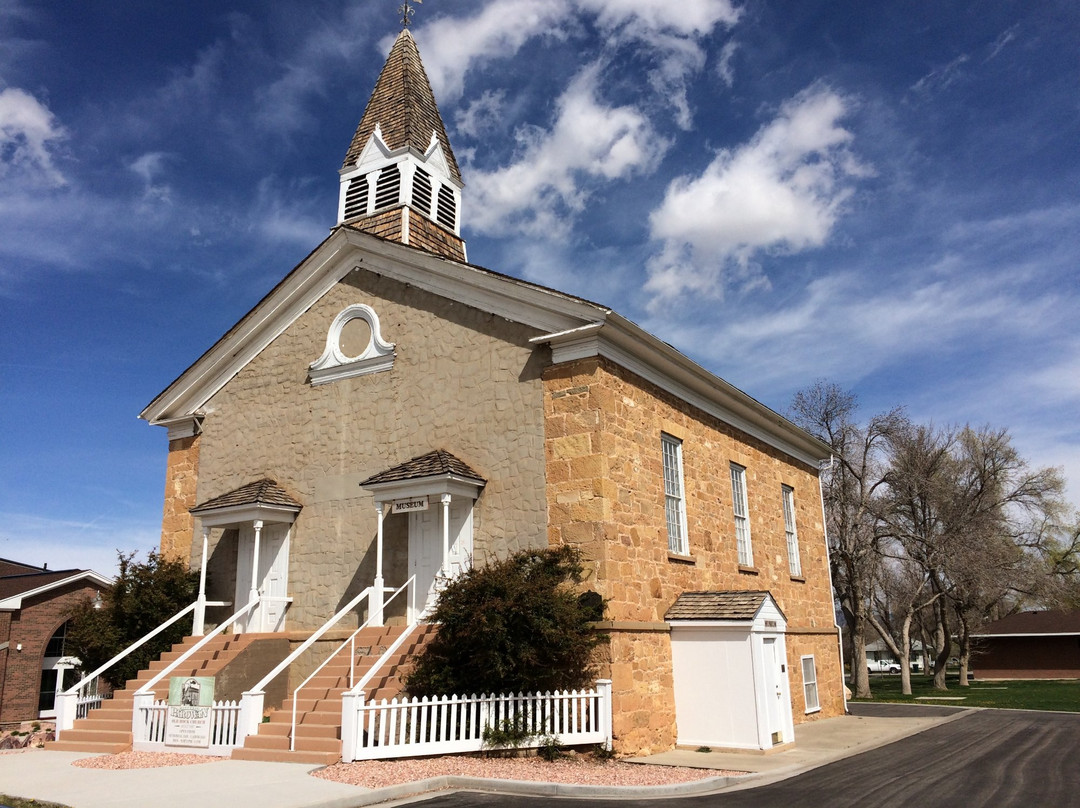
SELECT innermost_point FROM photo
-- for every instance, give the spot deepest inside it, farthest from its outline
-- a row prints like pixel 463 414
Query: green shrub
pixel 516 625
pixel 144 596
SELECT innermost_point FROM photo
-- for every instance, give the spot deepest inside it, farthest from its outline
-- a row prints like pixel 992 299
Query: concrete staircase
pixel 318 710
pixel 108 728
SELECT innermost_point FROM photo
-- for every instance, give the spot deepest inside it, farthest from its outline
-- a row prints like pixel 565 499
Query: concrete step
pixel 89 746
pixel 285 756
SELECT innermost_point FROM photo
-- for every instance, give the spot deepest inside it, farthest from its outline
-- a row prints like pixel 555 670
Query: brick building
pixel 34 607
pixel 389 410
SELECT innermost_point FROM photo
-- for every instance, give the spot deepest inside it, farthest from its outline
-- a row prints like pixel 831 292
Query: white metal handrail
pixel 184 657
pixel 91 676
pixel 351 642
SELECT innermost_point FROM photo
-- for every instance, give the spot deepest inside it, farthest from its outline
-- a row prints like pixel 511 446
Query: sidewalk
pixel 50 776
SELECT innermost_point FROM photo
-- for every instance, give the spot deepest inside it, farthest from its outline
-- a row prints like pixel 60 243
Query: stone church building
pixel 390 410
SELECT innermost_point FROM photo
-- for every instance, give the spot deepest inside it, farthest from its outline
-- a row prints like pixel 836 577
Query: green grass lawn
pixel 16 802
pixel 1057 694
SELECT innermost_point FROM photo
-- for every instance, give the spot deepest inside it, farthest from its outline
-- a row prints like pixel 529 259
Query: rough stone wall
pixel 33 626
pixel 606 495
pixel 463 380
pixel 181 479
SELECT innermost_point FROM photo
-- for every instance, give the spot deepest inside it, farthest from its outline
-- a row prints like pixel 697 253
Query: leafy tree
pixel 145 595
pixel 519 624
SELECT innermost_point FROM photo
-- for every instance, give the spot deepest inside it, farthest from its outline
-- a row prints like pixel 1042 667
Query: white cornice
pixel 631 347
pixel 239 514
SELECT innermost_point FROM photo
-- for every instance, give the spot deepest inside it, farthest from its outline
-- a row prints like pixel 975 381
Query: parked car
pixel 882 666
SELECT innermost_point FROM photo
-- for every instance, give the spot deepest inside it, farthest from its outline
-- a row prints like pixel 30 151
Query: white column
pixel 253 594
pixel 378 586
pixel 198 627
pixel 445 500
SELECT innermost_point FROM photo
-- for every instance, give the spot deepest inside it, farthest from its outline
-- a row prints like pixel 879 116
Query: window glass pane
pixel 742 519
pixel 674 505
pixel 794 562
pixel 810 691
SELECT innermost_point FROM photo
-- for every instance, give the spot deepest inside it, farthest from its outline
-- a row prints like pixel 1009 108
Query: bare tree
pixel 902 593
pixel 848 488
pixel 959 502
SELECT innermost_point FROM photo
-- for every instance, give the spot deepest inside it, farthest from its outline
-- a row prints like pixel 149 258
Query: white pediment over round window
pixel 354 347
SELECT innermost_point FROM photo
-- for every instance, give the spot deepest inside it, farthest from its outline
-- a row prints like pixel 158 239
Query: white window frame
pixel 741 509
pixel 787 495
pixel 810 688
pixel 674 494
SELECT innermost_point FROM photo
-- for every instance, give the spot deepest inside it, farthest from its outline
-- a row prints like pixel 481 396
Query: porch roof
pixel 439 463
pixel 263 492
pixel 717 605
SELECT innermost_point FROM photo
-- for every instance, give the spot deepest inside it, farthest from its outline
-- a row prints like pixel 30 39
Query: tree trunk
pixel 905 655
pixel 943 642
pixel 965 648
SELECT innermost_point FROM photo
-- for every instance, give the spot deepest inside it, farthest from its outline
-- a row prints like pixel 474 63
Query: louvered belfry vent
pixel 356 198
pixel 388 188
pixel 447 215
pixel 421 194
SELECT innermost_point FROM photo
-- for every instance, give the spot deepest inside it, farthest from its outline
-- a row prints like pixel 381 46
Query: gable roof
pixel 403 106
pixel 439 463
pixel 9 567
pixel 573 327
pixel 717 605
pixel 14 589
pixel 1033 624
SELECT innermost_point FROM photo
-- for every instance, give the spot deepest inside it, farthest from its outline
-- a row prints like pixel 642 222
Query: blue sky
pixel 886 195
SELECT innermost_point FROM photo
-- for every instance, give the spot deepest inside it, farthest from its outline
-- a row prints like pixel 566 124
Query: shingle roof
pixel 9 567
pixel 716 606
pixel 403 106
pixel 260 492
pixel 11 585
pixel 1048 622
pixel 433 464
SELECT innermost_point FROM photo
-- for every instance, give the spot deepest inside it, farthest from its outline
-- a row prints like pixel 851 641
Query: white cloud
pixel 450 45
pixel 672 31
pixel 782 191
pixel 723 67
pixel 548 184
pixel 647 17
pixel 481 115
pixel 149 167
pixel 29 133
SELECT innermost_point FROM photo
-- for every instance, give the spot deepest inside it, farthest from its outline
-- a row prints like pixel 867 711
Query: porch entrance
pixel 426 549
pixel 272 579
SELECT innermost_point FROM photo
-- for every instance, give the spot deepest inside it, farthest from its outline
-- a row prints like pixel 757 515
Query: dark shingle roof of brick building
pixel 434 464
pixel 1048 622
pixel 716 606
pixel 260 492
pixel 403 106
pixel 11 585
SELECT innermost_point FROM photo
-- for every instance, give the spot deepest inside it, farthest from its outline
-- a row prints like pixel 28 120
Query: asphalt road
pixel 997 758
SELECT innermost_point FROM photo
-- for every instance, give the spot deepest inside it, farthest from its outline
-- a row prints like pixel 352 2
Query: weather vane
pixel 407 11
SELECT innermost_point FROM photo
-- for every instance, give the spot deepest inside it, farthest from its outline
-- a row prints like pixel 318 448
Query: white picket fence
pixel 149 725
pixel 452 724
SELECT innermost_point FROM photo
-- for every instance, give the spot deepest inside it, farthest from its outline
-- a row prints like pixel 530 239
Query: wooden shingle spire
pixel 400 179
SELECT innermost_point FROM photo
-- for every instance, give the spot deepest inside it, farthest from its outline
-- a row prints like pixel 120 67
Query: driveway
pixel 994 758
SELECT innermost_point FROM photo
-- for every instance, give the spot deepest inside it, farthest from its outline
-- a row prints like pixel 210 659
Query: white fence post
pixel 350 718
pixel 251 713
pixel 67 705
pixel 603 686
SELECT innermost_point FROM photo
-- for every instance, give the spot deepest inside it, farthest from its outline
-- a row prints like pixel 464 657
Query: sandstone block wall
pixel 181 480
pixel 606 495
pixel 463 380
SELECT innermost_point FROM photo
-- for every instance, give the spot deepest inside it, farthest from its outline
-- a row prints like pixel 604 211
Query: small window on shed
pixel 447 215
pixel 388 187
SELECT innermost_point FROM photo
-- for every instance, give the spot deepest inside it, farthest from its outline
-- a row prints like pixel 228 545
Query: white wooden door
pixel 425 548
pixel 272 581
pixel 772 691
